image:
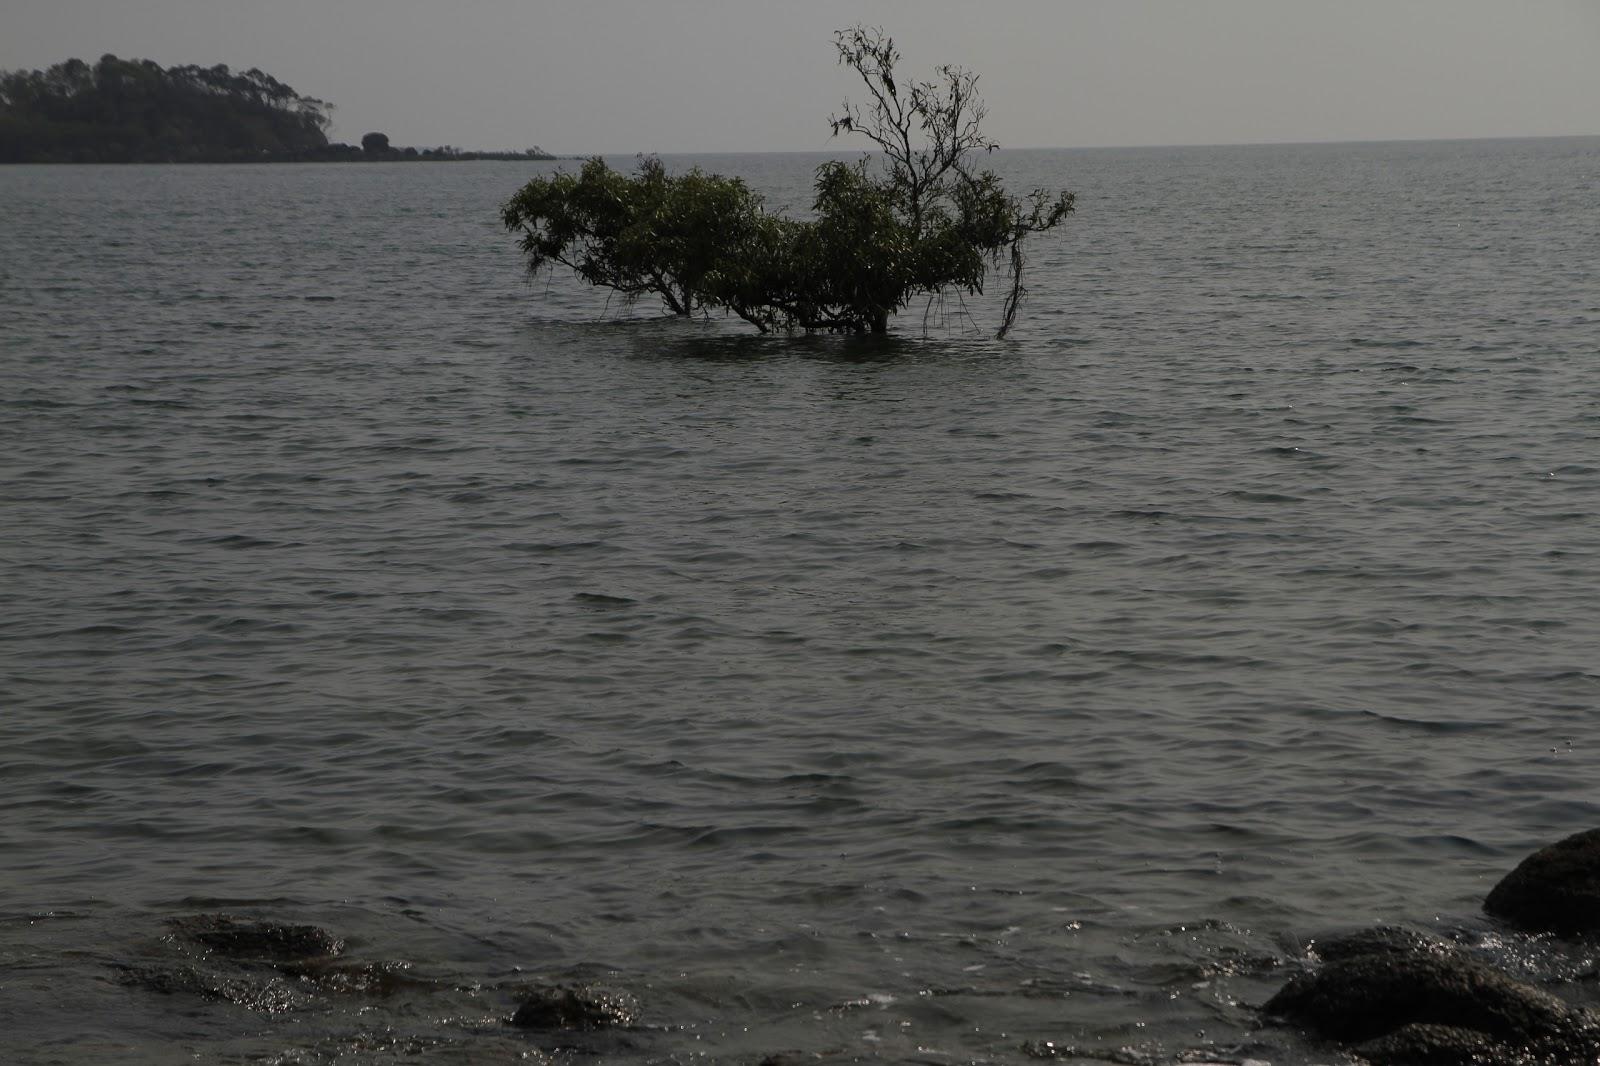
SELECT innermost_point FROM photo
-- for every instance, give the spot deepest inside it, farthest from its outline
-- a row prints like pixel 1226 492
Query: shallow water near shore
pixel 921 699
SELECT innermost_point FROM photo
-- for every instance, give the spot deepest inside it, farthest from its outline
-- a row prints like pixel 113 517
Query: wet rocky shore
pixel 1389 996
pixel 1395 997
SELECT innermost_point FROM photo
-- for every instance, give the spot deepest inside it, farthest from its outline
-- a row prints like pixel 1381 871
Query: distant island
pixel 134 111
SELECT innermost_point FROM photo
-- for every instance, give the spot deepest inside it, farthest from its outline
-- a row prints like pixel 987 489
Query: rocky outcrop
pixel 1397 998
pixel 1554 890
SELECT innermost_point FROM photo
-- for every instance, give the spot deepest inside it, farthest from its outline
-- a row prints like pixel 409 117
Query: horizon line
pixel 1118 147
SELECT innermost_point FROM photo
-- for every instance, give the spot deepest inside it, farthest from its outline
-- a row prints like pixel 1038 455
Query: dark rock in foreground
pixel 568 1007
pixel 1398 998
pixel 238 938
pixel 1554 890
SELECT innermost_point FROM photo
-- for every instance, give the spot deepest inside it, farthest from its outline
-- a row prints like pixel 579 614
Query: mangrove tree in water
pixel 917 219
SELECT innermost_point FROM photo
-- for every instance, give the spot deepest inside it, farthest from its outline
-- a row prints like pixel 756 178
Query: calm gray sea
pixel 913 700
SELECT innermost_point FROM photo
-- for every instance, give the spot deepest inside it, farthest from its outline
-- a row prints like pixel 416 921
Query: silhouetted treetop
pixel 133 110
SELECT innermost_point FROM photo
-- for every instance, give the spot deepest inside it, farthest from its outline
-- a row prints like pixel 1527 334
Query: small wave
pixel 1363 342
pixel 559 547
pixel 1437 726
pixel 1247 496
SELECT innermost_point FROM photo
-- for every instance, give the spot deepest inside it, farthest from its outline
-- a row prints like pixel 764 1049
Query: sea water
pixel 922 699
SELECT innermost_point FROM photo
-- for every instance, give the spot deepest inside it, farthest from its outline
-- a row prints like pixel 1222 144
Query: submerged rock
pixel 336 977
pixel 265 966
pixel 239 938
pixel 572 1007
pixel 1382 940
pixel 269 996
pixel 1554 890
pixel 1396 997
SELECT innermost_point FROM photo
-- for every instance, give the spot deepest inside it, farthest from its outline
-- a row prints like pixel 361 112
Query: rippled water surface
pixel 917 700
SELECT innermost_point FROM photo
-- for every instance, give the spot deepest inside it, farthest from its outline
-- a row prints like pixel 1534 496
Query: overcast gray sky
pixel 752 75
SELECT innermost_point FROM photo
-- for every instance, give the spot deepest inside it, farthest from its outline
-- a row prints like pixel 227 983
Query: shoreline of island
pixel 466 157
pixel 136 111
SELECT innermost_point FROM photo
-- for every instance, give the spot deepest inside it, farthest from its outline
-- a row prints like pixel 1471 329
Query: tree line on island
pixel 136 111
pixel 917 219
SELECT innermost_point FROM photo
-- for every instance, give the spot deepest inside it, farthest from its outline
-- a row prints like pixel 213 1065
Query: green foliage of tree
pixel 133 110
pixel 919 220
pixel 651 233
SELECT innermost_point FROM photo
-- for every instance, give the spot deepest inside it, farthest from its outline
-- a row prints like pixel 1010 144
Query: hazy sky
pixel 579 76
